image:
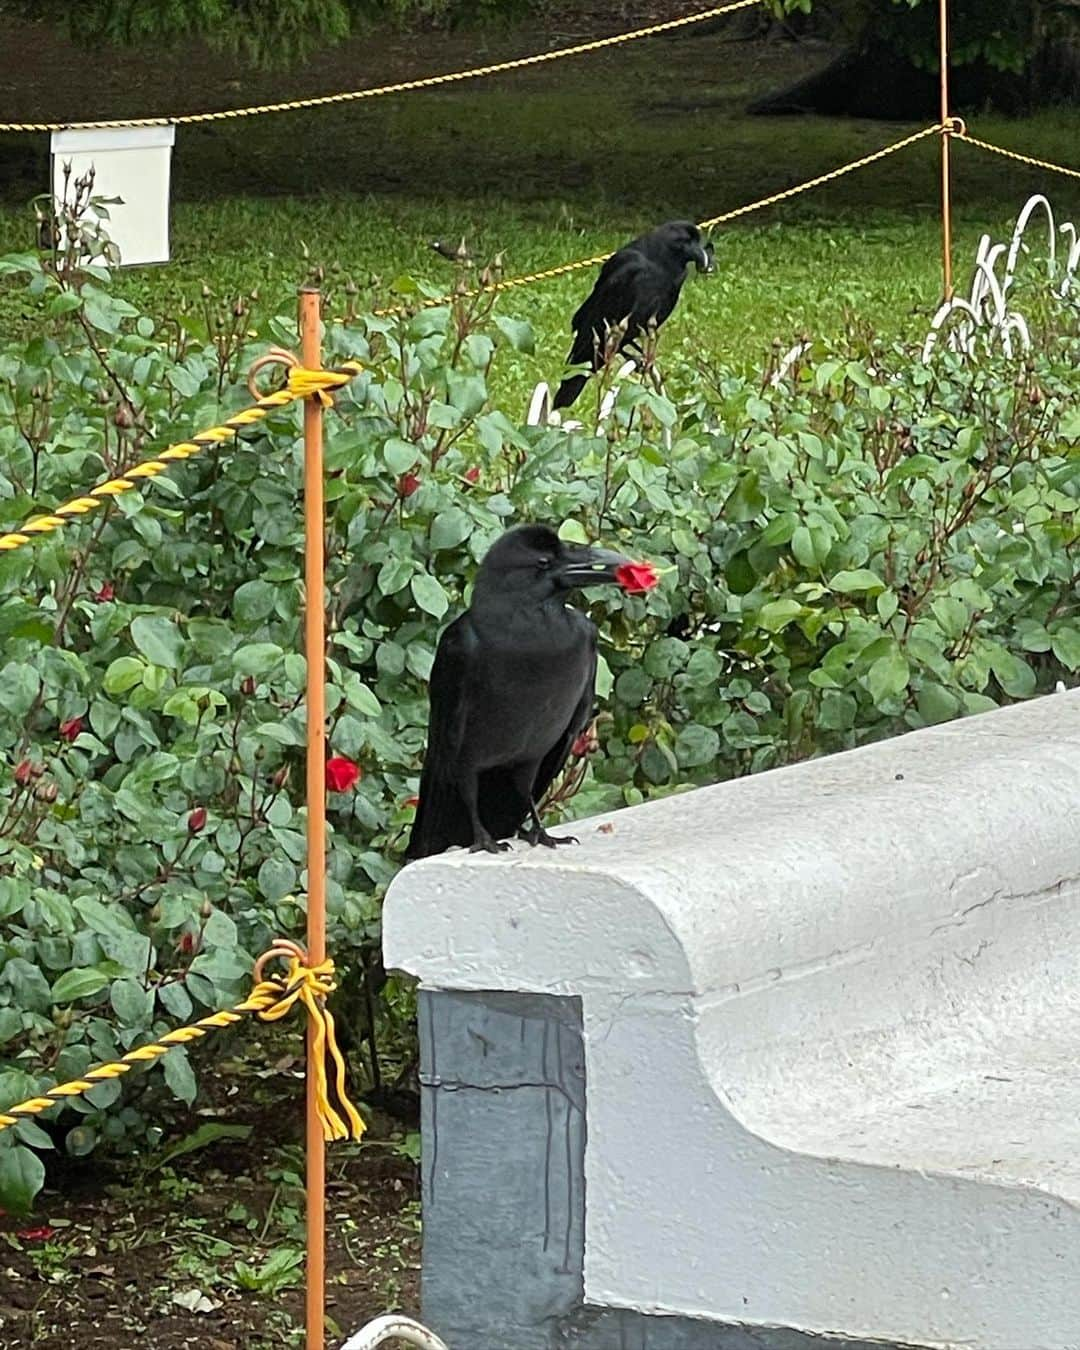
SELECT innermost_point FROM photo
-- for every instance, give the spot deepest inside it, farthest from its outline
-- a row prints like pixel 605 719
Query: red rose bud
pixel 281 777
pixel 24 771
pixel 247 685
pixel 341 774
pixel 186 943
pixel 107 592
pixel 411 801
pixel 636 577
pixel 472 475
pixel 407 484
pixel 71 730
pixel 46 792
pixel 197 820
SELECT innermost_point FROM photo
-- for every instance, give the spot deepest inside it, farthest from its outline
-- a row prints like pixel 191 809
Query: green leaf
pixel 110 920
pixel 937 704
pixel 778 614
pixel 257 658
pixel 210 1132
pixel 18 688
pixel 399 455
pixel 429 594
pixel 952 615
pixel 123 674
pixel 450 528
pixel 131 1002
pixel 22 1175
pixel 747 501
pixel 277 878
pixel 860 581
pixel 696 745
pixel 888 676
pixel 158 639
pixel 78 983
pixel 1066 647
pixel 518 332
pixel 179 1076
pixel 573 532
pixel 254 601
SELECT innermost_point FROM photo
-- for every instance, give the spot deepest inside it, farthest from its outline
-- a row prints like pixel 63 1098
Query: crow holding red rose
pixel 511 690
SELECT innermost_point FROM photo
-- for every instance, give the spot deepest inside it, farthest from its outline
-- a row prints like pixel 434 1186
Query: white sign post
pixel 132 163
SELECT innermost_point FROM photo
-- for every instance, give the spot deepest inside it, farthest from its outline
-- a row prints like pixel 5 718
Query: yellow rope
pixel 403 86
pixel 301 384
pixel 1015 154
pixel 270 1000
pixel 531 278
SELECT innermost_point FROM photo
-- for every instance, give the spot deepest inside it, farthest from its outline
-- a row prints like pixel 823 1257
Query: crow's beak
pixel 707 254
pixel 591 567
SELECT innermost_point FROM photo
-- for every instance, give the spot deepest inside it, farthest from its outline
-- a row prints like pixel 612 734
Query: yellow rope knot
pixel 303 383
pixel 271 998
pixel 310 986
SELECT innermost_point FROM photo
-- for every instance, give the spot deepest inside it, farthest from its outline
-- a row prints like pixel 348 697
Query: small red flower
pixel 107 592
pixel 407 484
pixel 472 475
pixel 341 774
pixel 186 943
pixel 197 820
pixel 636 577
pixel 71 730
pixel 42 1234
pixel 24 771
pixel 411 801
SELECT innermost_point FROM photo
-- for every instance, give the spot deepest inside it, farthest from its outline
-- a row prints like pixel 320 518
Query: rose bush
pixel 861 546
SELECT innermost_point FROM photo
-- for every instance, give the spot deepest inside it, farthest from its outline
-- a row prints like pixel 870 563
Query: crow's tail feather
pixel 569 390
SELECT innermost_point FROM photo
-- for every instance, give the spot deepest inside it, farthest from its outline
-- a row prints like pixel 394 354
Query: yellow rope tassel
pixel 271 999
pixel 302 384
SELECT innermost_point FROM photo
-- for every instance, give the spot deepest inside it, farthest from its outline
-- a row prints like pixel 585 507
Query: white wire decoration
pixel 390 1328
pixel 542 414
pixel 986 315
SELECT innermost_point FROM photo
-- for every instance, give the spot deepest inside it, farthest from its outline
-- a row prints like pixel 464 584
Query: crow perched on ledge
pixel 511 689
pixel 639 286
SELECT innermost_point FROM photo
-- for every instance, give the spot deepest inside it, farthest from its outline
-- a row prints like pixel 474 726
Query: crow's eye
pixel 543 561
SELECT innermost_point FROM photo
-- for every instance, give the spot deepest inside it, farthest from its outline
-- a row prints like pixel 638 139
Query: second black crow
pixel 511 689
pixel 637 287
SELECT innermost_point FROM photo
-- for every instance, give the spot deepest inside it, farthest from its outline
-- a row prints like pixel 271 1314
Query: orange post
pixel 315 652
pixel 946 154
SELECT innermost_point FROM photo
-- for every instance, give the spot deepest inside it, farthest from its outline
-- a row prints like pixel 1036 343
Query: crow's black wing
pixel 639 291
pixel 441 818
pixel 552 764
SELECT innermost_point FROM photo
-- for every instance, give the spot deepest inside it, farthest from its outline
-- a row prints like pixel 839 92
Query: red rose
pixel 71 730
pixel 42 1234
pixel 472 475
pixel 341 774
pixel 636 578
pixel 197 820
pixel 407 484
pixel 24 771
pixel 107 592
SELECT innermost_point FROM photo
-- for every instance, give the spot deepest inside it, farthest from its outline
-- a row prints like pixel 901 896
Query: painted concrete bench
pixel 789 1057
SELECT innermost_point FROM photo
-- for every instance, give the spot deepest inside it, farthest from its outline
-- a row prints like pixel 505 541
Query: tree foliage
pixel 270 33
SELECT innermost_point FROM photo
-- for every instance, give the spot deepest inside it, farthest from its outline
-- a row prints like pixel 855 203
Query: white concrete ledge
pixel 832 1022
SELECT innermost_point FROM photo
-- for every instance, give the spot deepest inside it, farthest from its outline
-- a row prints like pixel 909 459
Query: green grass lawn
pixel 570 160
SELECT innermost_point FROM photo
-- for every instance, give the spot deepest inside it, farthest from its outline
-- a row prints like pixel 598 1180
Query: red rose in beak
pixel 341 774
pixel 636 577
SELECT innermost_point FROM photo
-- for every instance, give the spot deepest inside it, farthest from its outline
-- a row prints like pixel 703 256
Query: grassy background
pixel 549 165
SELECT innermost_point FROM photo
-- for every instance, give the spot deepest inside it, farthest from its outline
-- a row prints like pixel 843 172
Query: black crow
pixel 638 286
pixel 511 689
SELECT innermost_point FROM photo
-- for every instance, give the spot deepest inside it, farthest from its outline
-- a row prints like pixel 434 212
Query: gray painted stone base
pixel 503 1081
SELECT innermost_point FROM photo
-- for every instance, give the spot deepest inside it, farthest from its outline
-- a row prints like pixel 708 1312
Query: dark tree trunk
pixel 874 80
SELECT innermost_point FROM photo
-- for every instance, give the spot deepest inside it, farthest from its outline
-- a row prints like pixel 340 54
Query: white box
pixel 132 163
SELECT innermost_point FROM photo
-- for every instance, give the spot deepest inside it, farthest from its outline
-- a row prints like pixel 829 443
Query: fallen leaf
pixel 195 1301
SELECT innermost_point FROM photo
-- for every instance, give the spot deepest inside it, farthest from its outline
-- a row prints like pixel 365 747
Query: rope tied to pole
pixel 301 385
pixel 271 998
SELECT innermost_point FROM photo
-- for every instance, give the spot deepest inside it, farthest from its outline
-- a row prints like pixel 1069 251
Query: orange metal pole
pixel 315 651
pixel 946 154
